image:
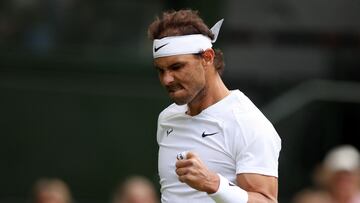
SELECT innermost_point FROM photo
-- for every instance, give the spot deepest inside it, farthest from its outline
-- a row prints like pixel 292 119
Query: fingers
pixel 185 155
pixel 190 155
pixel 192 171
pixel 186 159
pixel 182 155
pixel 183 163
pixel 185 174
pixel 184 178
pixel 185 166
pixel 182 171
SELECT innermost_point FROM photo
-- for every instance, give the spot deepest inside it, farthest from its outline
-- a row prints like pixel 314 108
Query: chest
pixel 207 138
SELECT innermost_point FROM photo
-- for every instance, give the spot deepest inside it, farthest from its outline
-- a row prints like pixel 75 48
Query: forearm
pixel 255 197
pixel 228 192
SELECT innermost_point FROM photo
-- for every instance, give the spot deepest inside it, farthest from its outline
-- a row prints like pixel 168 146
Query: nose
pixel 167 78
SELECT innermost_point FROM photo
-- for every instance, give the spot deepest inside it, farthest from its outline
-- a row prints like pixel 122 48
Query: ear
pixel 208 57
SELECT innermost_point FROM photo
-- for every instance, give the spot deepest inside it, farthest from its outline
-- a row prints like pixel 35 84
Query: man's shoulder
pixel 246 115
pixel 171 110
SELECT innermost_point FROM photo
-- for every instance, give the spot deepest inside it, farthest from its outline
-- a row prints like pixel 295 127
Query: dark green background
pixel 90 129
pixel 79 98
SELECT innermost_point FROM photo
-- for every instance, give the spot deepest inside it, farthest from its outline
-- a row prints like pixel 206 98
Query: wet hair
pixel 183 22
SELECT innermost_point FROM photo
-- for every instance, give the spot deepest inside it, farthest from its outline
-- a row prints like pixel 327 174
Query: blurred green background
pixel 79 98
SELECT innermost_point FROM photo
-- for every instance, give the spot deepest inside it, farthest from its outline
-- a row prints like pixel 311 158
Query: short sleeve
pixel 259 153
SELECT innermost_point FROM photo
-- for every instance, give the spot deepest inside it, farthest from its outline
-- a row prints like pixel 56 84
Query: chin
pixel 179 97
pixel 180 100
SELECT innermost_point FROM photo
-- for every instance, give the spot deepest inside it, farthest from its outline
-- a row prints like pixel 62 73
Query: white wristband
pixel 229 193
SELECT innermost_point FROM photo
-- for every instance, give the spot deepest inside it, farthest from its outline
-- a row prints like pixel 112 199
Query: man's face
pixel 183 76
pixel 344 182
pixel 50 196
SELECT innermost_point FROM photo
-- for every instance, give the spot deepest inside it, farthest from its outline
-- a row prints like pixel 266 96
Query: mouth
pixel 174 88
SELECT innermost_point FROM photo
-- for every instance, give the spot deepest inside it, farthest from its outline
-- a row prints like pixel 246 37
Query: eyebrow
pixel 171 65
pixel 156 67
pixel 176 63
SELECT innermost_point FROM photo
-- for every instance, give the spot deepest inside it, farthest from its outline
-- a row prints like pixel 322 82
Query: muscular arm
pixel 260 188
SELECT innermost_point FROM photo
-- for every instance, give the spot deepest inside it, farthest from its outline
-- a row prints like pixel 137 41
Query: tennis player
pixel 214 144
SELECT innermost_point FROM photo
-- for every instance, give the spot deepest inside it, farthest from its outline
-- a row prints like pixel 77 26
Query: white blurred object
pixel 182 155
pixel 343 158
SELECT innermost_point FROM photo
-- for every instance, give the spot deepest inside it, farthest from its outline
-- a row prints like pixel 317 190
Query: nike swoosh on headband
pixel 157 48
pixel 185 44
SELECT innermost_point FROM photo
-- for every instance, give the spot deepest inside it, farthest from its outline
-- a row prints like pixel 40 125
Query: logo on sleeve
pixel 169 131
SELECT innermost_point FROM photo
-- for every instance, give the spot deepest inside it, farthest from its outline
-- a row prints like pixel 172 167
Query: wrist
pixel 228 192
pixel 214 183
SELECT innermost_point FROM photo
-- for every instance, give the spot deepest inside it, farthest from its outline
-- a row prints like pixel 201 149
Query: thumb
pixel 190 155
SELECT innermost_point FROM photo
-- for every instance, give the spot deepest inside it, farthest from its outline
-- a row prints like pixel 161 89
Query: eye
pixel 160 71
pixel 176 66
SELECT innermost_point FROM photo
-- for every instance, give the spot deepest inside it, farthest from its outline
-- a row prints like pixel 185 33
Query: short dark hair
pixel 183 22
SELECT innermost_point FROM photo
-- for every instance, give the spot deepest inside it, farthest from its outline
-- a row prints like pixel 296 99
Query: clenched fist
pixel 192 171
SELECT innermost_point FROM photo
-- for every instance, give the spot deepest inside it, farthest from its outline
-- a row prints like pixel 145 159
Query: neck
pixel 214 91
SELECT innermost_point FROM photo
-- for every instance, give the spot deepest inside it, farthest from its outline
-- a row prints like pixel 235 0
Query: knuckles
pixel 185 163
pixel 192 171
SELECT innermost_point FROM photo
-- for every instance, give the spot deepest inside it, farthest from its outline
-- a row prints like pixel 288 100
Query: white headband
pixel 185 44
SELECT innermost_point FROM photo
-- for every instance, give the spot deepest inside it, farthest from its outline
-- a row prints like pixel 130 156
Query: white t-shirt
pixel 231 137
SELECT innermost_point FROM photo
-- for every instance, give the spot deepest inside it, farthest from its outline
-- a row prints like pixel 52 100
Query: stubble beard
pixel 191 98
pixel 180 100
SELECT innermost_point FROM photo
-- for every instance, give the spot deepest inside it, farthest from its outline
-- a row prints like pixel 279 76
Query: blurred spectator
pixel 135 189
pixel 337 180
pixel 51 191
pixel 341 174
pixel 311 196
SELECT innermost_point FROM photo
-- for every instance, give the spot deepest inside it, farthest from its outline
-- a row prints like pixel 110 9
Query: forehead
pixel 163 62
